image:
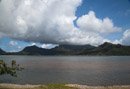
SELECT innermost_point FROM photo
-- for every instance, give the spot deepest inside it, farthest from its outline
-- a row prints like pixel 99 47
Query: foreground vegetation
pixel 6 69
pixel 58 86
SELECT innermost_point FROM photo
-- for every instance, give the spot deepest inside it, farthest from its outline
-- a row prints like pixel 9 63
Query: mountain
pixel 71 49
pixel 2 52
pixel 104 49
pixel 34 50
pixel 113 49
pixel 108 49
pixel 59 50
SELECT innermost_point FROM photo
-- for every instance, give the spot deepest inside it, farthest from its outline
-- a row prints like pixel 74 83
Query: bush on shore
pixel 11 70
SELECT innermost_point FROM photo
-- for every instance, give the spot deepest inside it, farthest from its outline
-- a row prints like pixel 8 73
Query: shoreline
pixel 77 86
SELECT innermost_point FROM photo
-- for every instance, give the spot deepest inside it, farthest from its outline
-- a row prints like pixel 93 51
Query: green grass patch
pixel 58 86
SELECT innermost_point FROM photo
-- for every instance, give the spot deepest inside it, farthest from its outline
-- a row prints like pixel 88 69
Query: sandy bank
pixel 99 87
pixel 18 86
pixel 75 86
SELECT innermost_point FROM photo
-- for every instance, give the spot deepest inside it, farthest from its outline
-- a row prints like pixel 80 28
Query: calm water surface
pixel 89 70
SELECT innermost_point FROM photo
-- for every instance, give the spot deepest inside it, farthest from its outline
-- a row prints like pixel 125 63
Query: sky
pixel 48 23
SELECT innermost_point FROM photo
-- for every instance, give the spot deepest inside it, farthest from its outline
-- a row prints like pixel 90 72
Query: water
pixel 89 70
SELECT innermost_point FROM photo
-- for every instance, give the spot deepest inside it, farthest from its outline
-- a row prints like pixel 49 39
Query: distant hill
pixel 104 49
pixel 71 49
pixel 33 50
pixel 2 52
pixel 108 49
pixel 59 50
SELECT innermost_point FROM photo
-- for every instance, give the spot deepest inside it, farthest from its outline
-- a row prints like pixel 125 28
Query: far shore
pixel 60 86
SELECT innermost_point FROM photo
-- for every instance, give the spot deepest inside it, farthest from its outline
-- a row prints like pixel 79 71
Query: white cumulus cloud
pixel 52 21
pixel 48 46
pixel 90 22
pixel 13 43
pixel 126 37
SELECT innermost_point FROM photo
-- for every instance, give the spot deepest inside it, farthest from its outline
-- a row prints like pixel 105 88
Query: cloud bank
pixel 52 21
pixel 90 22
pixel 126 38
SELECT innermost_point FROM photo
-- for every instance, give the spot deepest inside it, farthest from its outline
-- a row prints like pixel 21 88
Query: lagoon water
pixel 89 70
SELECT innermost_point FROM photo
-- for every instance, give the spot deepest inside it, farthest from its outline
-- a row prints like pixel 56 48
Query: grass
pixel 56 86
pixel 63 86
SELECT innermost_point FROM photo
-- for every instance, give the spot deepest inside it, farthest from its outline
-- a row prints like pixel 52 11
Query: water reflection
pixel 111 70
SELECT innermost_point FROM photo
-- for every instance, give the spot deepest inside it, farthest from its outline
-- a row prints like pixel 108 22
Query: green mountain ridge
pixel 104 49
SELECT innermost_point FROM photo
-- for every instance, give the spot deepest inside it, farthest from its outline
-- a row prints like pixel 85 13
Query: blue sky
pixel 116 10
